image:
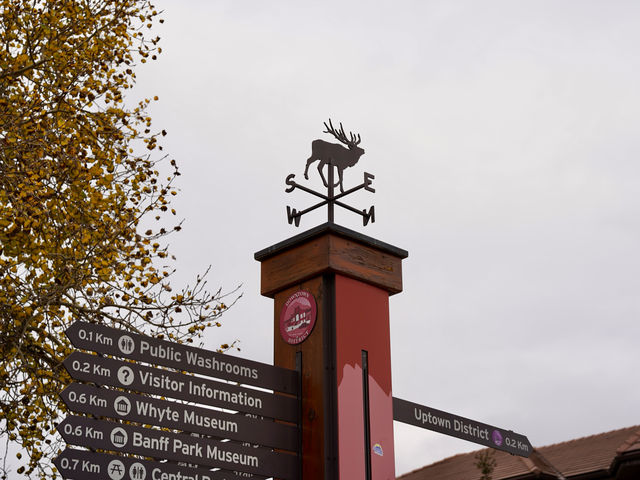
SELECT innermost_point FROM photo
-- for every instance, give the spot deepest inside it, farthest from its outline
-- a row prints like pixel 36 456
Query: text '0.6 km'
pixel 99 434
pixel 190 431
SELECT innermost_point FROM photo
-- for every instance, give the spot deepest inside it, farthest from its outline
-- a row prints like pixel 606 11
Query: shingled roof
pixel 610 455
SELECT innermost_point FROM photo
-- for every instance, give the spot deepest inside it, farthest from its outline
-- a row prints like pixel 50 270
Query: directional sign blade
pixel 118 373
pixel 180 447
pixel 119 343
pixel 72 463
pixel 101 402
pixel 456 426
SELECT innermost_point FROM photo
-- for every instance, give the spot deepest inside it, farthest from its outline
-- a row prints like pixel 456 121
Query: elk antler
pixel 340 135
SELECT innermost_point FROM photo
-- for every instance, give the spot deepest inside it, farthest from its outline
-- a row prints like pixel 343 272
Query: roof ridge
pixel 589 436
pixel 634 438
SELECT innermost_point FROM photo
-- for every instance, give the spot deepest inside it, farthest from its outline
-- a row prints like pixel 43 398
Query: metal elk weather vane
pixel 334 157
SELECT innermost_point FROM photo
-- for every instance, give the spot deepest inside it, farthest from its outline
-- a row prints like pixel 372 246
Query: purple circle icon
pixel 496 437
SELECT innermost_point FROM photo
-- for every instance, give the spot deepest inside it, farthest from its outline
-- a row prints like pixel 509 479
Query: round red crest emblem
pixel 298 317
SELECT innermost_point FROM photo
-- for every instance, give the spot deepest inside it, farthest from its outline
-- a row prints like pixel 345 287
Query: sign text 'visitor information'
pixel 140 378
pixel 112 341
pixel 238 445
pixel 460 427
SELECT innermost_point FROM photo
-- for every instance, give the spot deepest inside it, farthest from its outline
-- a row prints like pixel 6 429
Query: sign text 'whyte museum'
pixel 189 432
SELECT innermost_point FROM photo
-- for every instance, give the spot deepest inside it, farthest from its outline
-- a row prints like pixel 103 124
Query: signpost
pixel 101 402
pixel 456 426
pixel 190 433
pixel 331 289
pixel 180 447
pixel 112 341
pixel 73 463
pixel 118 373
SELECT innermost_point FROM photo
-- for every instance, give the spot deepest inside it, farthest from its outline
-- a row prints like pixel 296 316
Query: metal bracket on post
pixel 366 414
pixel 300 412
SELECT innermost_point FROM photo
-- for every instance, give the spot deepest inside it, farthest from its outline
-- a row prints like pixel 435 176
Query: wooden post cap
pixel 330 248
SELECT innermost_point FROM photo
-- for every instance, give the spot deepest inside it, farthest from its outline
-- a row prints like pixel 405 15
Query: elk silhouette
pixel 333 154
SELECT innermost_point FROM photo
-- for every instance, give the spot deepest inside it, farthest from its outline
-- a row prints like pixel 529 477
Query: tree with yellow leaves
pixel 82 204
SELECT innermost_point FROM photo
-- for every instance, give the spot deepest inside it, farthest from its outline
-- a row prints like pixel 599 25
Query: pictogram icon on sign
pixel 126 344
pixel 125 376
pixel 116 470
pixel 122 406
pixel 119 437
pixel 137 471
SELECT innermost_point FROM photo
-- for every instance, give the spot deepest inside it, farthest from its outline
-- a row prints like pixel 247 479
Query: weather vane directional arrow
pixel 333 156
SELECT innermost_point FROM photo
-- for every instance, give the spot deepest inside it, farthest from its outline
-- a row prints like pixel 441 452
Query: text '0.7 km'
pixel 73 463
pixel 86 432
pixel 253 430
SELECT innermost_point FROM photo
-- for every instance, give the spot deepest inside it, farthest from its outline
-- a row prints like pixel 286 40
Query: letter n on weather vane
pixel 332 158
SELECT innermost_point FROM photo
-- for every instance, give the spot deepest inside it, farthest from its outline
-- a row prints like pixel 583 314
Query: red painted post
pixel 347 413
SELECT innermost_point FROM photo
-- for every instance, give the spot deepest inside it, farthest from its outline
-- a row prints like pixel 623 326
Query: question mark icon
pixel 125 375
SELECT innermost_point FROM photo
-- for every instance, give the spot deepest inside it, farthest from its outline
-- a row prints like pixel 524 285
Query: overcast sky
pixel 503 137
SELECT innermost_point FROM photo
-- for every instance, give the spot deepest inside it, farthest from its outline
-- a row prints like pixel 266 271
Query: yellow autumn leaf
pixel 78 181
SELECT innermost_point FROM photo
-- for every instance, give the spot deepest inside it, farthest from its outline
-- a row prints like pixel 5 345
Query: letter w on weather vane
pixel 332 156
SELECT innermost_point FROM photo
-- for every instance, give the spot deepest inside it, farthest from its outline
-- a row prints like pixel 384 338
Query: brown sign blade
pixel 72 463
pixel 460 427
pixel 118 373
pixel 179 447
pixel 119 405
pixel 119 343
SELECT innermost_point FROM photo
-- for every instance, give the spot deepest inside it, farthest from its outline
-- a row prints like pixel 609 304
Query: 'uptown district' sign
pixel 460 427
pixel 238 445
